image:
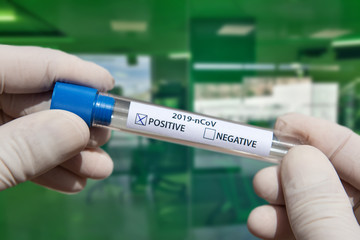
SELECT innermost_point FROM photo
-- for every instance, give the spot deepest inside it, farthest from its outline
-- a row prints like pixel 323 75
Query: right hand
pixel 307 198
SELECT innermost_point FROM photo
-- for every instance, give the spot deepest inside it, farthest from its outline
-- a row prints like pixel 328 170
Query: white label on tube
pixel 191 127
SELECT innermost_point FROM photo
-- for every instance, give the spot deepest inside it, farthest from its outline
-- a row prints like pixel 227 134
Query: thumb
pixel 34 144
pixel 316 202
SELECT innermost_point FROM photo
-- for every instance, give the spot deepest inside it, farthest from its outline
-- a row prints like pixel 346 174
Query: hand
pixel 307 198
pixel 53 148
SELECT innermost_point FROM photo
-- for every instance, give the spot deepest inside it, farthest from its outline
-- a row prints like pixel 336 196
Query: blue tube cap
pixel 84 102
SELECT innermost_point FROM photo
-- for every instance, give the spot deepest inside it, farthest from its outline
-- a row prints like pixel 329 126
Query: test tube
pixel 168 124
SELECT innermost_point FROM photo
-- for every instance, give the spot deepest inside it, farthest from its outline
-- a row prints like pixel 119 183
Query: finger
pixel 352 192
pixel 354 197
pixel 4 118
pixel 18 105
pixel 316 202
pixel 357 213
pixel 35 69
pixel 98 136
pixel 24 104
pixel 338 143
pixel 38 142
pixel 90 163
pixel 267 185
pixel 270 222
pixel 61 180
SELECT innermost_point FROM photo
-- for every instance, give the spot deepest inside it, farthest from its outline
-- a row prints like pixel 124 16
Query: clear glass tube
pixel 171 125
pixel 196 130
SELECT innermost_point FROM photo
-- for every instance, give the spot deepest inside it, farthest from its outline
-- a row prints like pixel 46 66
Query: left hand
pixel 52 148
